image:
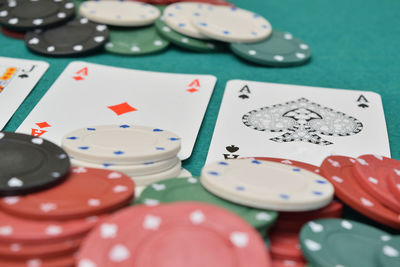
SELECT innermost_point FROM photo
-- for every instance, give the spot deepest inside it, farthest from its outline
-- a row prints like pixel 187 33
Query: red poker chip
pixel 18 230
pixel 180 234
pixel 18 251
pixel 13 34
pixel 339 170
pixel 288 263
pixel 65 261
pixel 303 165
pixel 394 183
pixel 86 192
pixel 285 245
pixel 373 173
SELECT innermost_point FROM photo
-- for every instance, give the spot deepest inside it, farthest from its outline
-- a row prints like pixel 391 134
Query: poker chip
pixel 26 251
pixel 231 24
pixel 13 34
pixel 138 41
pixel 179 234
pixel 21 230
pixel 22 15
pixel 184 174
pixel 119 13
pixel 178 17
pixel 29 164
pixel 373 174
pixel 285 245
pixel 337 242
pixel 288 263
pixel 267 185
pixel 339 170
pixel 281 49
pixel 151 178
pixel 64 261
pixel 121 144
pixel 190 189
pixel 77 37
pixel 146 168
pixel 86 192
pixel 187 42
pixel 303 165
pixel 389 253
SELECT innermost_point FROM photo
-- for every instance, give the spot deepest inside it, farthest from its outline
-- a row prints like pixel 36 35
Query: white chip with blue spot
pixel 267 185
pixel 121 144
pixel 119 13
pixel 146 168
pixel 231 24
pixel 178 17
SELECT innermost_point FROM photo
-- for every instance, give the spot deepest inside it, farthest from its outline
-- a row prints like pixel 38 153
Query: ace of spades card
pixel 89 94
pixel 297 122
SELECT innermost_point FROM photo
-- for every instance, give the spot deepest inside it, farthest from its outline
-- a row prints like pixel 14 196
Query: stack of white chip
pixel 267 185
pixel 146 154
pixel 222 23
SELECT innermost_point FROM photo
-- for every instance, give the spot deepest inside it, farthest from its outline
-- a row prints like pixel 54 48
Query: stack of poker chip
pixel 134 28
pixel 146 154
pixel 46 207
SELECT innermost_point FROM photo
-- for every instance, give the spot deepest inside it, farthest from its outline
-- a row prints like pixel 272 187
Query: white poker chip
pixel 121 144
pixel 184 174
pixel 267 185
pixel 155 177
pixel 178 17
pixel 231 24
pixel 119 13
pixel 146 168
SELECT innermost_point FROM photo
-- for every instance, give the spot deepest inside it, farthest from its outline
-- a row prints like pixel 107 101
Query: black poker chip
pixel 29 164
pixel 25 15
pixel 77 37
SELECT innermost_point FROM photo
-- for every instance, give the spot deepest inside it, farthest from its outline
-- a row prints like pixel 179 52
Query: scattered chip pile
pixel 47 208
pixel 144 153
pixel 51 28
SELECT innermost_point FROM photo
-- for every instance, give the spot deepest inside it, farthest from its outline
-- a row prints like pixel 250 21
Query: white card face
pixel 297 122
pixel 17 78
pixel 89 94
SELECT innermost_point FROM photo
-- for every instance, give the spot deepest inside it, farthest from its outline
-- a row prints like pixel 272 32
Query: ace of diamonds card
pixel 297 122
pixel 88 94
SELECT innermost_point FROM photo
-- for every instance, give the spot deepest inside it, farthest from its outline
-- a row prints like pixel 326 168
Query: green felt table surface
pixel 355 45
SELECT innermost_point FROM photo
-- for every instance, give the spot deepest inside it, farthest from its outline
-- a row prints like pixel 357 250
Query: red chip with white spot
pixel 64 261
pixel 394 183
pixel 303 165
pixel 373 174
pixel 339 170
pixel 86 192
pixel 19 230
pixel 174 235
pixel 285 245
pixel 288 263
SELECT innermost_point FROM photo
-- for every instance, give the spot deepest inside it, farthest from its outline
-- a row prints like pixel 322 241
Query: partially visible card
pixel 89 94
pixel 297 122
pixel 17 78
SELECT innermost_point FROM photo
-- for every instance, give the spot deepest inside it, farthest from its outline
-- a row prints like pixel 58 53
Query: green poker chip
pixel 135 41
pixel 190 189
pixel 389 254
pixel 338 242
pixel 187 42
pixel 281 49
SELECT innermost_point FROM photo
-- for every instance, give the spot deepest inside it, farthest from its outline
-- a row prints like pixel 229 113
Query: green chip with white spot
pixel 187 42
pixel 389 254
pixel 135 41
pixel 190 189
pixel 339 242
pixel 281 49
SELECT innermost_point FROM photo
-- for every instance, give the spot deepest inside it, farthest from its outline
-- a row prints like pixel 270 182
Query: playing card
pixel 17 78
pixel 89 95
pixel 297 122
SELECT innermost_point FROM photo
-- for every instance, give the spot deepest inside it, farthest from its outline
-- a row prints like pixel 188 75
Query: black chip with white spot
pixel 25 15
pixel 29 164
pixel 76 38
